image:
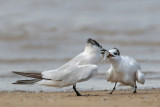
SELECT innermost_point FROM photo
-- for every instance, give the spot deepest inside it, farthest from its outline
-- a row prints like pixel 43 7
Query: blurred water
pixel 38 35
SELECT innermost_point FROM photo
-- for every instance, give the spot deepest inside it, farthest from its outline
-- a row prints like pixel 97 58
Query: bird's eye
pixel 115 53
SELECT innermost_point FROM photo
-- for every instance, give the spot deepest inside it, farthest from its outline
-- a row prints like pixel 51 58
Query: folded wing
pixel 69 76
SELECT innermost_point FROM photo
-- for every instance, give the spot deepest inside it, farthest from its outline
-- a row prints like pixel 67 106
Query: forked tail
pixel 32 81
pixel 37 76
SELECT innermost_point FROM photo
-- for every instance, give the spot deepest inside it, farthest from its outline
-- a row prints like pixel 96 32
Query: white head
pixel 93 46
pixel 114 54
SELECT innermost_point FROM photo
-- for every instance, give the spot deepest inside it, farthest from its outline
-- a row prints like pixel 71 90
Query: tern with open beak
pixel 124 69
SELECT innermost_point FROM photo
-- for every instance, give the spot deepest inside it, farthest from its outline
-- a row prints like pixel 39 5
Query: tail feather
pixel 37 76
pixel 21 82
pixel 32 75
pixel 140 76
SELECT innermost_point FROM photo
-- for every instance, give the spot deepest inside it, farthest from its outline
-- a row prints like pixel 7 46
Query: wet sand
pixel 120 98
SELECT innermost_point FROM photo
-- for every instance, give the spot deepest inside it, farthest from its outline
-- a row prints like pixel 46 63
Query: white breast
pixel 123 71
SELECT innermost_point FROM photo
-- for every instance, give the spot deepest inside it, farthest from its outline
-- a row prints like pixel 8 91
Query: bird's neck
pixel 91 50
pixel 92 55
pixel 115 62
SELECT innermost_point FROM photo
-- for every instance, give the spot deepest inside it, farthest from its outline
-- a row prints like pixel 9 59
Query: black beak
pixel 103 51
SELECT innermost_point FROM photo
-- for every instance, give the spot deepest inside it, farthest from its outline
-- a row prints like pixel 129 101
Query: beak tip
pixel 104 50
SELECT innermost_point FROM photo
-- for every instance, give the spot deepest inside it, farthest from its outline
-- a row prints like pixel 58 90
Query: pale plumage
pixel 80 68
pixel 124 69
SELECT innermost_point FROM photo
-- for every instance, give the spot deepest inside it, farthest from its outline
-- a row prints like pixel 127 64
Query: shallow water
pixel 37 35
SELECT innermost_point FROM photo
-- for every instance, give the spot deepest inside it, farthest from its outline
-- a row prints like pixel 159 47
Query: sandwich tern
pixel 81 68
pixel 124 69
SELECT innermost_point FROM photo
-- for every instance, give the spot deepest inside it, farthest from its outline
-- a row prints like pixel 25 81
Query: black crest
pixel 117 51
pixel 93 42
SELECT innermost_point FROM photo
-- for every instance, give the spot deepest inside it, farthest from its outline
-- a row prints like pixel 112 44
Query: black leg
pixel 135 87
pixel 74 88
pixel 113 88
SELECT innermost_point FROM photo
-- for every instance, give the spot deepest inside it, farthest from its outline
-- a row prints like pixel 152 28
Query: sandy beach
pixel 120 98
pixel 42 35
